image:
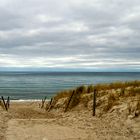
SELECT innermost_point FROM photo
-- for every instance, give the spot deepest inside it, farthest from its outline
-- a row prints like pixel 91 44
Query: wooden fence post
pixel 51 101
pixel 94 102
pixel 43 102
pixel 8 102
pixel 50 105
pixel 5 105
pixel 69 101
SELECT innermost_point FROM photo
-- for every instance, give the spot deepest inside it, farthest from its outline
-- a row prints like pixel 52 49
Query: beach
pixel 28 121
pixel 69 69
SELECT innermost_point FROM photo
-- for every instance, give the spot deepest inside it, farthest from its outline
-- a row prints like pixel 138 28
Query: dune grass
pixel 113 92
pixel 103 87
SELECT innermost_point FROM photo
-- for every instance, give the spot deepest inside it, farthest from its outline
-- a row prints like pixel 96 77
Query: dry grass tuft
pixel 114 91
pixel 63 94
pixel 111 101
pixel 134 107
pixel 81 90
pixel 102 87
pixel 90 88
pixel 1 104
pixel 117 85
pixel 85 99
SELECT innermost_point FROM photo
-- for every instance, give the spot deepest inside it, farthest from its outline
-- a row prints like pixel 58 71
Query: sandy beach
pixel 27 121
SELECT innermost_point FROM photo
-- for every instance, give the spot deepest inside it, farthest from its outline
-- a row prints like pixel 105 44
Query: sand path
pixel 23 129
pixel 25 121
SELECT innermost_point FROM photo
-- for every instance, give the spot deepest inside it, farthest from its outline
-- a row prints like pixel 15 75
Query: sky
pixel 92 35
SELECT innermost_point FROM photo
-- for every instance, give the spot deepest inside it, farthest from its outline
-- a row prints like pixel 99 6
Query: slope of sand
pixel 26 121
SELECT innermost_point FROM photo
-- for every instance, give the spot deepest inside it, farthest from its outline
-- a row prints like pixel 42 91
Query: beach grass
pixel 132 85
pixel 112 91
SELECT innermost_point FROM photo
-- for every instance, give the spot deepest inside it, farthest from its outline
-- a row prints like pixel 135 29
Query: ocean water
pixel 36 85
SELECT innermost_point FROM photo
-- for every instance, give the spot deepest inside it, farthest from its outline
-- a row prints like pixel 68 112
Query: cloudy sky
pixel 70 34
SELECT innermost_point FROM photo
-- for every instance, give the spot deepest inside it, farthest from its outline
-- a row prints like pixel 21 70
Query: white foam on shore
pixel 28 100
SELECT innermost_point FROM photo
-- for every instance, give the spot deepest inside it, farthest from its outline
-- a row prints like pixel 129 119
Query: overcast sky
pixel 70 34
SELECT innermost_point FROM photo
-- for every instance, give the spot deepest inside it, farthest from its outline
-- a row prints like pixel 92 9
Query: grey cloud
pixel 89 33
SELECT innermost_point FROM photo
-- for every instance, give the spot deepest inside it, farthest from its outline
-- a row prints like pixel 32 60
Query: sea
pixel 37 85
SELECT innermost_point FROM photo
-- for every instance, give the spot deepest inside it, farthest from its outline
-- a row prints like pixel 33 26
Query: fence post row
pixel 7 103
pixel 94 102
pixel 43 102
pixel 50 106
pixel 51 101
pixel 69 101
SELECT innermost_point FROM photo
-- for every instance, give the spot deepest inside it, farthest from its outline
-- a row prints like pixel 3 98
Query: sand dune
pixel 26 121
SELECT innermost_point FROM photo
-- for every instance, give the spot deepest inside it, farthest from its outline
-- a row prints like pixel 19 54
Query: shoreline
pixel 27 100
